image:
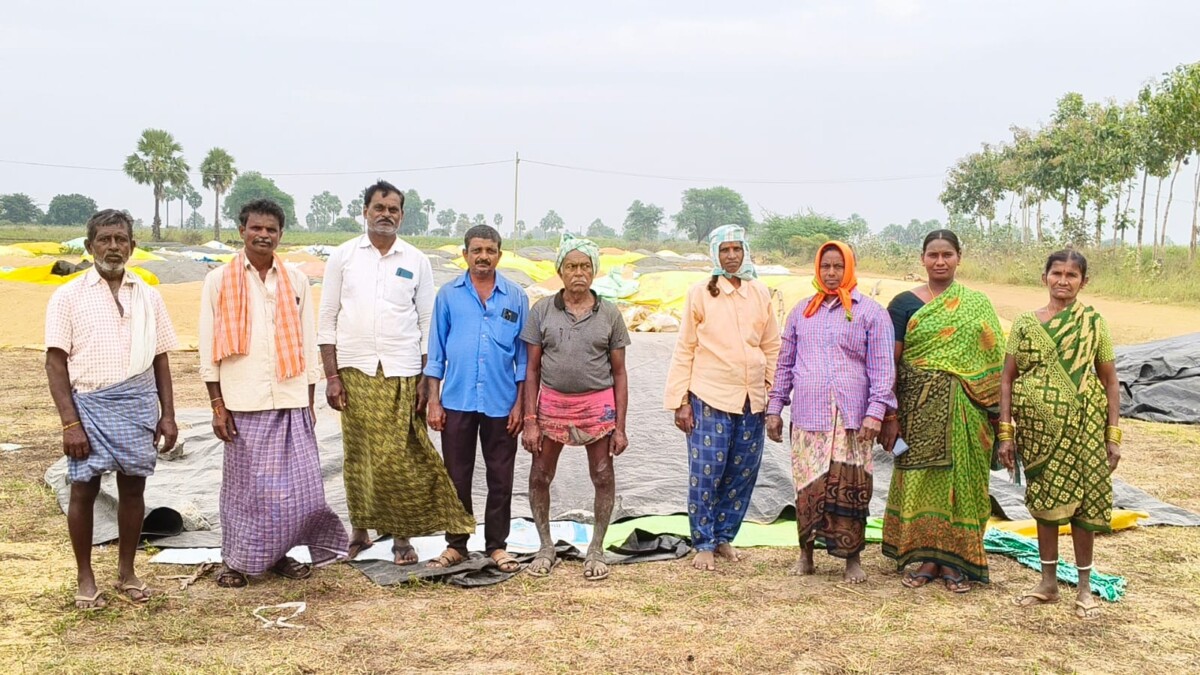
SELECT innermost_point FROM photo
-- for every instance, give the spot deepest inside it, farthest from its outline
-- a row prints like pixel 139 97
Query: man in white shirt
pixel 258 358
pixel 376 305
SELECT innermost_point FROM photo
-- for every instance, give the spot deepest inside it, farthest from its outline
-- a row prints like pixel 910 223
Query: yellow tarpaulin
pixel 541 270
pixel 14 252
pixel 1121 520
pixel 667 291
pixel 42 275
pixel 40 247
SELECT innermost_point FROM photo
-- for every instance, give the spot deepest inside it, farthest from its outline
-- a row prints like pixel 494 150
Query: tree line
pixel 1089 157
pixel 72 209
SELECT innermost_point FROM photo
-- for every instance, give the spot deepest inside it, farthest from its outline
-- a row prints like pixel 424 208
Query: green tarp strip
pixel 782 534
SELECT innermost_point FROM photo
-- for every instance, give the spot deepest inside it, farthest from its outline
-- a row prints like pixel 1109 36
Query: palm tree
pixel 158 162
pixel 217 172
pixel 429 206
pixel 194 200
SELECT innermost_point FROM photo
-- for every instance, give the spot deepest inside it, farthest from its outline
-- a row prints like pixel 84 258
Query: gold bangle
pixel 1007 427
pixel 1003 436
pixel 68 426
pixel 1114 435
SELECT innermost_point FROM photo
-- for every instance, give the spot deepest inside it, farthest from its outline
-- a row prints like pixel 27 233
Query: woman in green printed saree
pixel 1059 414
pixel 949 351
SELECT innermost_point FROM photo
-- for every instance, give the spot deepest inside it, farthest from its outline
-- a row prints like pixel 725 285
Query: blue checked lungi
pixel 119 421
pixel 724 454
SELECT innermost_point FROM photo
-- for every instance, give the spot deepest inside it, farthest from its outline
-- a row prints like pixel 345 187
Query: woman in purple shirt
pixel 837 358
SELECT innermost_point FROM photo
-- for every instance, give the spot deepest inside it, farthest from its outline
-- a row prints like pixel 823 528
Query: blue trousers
pixel 724 453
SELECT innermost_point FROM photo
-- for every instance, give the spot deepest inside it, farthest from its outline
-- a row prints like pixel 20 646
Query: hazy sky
pixel 840 94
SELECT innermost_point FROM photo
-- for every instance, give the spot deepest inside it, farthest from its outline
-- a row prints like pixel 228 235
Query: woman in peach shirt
pixel 721 370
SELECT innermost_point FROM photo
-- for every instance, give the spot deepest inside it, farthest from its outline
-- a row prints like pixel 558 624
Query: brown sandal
pixel 448 558
pixel 290 568
pixel 504 561
pixel 231 578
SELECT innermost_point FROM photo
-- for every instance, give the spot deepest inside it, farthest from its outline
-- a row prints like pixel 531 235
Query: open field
pixel 658 617
pixel 661 617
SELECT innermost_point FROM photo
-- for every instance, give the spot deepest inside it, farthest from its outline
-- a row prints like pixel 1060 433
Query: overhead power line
pixel 757 181
pixel 271 174
pixel 553 165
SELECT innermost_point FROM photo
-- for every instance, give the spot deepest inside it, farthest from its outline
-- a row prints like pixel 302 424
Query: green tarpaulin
pixel 782 534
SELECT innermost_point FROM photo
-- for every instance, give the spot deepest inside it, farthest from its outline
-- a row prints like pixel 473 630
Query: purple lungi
pixel 272 496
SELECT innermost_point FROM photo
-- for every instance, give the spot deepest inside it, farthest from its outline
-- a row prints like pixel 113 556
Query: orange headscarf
pixel 849 281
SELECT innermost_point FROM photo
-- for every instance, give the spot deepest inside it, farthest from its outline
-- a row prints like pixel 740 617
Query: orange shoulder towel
pixel 849 281
pixel 231 330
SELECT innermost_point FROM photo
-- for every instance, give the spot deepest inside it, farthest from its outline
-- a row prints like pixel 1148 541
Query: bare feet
pixel 804 565
pixel 543 562
pixel 705 561
pixel 854 571
pixel 729 553
pixel 88 598
pixel 594 568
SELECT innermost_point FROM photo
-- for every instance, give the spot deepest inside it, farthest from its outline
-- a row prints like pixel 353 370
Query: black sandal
pixel 959 584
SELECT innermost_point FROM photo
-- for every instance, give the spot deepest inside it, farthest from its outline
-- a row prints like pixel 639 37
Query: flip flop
pixel 504 561
pixel 961 585
pixel 92 599
pixel 357 547
pixel 1087 612
pixel 123 589
pixel 910 579
pixel 407 554
pixel 537 571
pixel 596 576
pixel 1038 599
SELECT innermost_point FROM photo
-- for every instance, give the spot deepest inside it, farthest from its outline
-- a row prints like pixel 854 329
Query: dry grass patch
pixel 661 617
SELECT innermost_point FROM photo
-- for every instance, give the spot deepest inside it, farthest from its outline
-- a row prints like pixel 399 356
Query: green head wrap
pixel 572 243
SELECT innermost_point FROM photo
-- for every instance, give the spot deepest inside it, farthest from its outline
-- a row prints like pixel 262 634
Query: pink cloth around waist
pixel 577 419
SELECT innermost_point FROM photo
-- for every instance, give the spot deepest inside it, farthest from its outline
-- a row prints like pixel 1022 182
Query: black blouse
pixel 902 307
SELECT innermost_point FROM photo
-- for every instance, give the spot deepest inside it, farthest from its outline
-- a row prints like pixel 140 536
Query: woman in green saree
pixel 1059 412
pixel 949 352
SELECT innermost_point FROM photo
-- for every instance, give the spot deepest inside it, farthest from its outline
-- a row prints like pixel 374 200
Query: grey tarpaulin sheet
pixel 1160 380
pixel 652 475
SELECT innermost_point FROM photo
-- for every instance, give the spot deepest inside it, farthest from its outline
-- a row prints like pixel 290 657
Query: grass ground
pixel 661 617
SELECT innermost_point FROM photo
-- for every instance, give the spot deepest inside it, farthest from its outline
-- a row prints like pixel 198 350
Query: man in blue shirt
pixel 476 376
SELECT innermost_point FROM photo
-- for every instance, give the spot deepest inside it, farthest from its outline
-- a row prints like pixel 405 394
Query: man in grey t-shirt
pixel 575 381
